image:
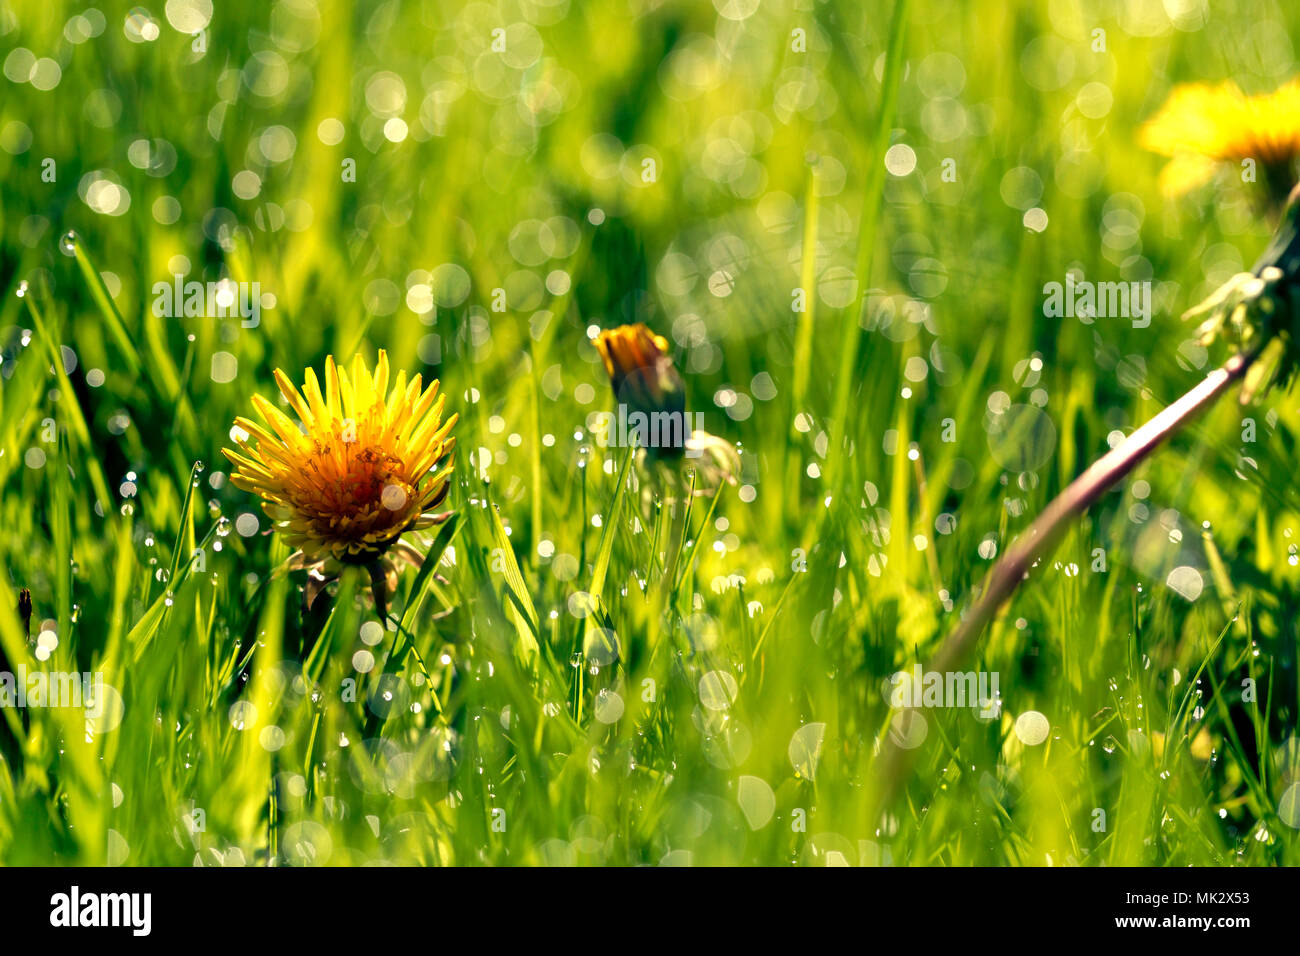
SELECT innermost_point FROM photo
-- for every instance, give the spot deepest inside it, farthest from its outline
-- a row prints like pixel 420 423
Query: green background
pixel 382 170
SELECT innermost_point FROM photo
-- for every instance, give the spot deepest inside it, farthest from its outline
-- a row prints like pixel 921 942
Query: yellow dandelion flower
pixel 1203 126
pixel 368 464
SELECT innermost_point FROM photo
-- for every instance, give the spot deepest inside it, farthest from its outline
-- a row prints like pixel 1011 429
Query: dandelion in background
pixel 1201 127
pixel 367 465
pixel 647 382
pixel 687 460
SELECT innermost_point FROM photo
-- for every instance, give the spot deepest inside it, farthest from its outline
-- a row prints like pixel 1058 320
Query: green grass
pixel 752 707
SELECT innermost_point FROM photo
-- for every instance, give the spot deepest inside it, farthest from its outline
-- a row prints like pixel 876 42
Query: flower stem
pixel 1050 526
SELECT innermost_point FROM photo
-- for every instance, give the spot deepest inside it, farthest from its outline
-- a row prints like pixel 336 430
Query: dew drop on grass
pixel 757 801
pixel 805 748
pixel 1032 728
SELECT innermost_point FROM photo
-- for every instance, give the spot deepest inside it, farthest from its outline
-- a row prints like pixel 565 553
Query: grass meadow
pixel 847 254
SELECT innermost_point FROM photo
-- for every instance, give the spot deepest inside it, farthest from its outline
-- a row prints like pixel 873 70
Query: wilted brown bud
pixel 647 382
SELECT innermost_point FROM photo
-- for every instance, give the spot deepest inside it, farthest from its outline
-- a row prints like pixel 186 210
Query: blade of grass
pixel 868 221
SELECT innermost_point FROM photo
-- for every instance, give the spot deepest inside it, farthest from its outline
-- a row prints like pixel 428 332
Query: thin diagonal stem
pixel 1049 527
